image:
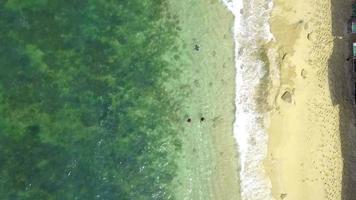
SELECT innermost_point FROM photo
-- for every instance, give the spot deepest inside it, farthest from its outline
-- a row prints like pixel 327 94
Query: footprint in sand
pixel 303 73
pixel 287 97
pixel 310 36
pixel 283 196
pixel 284 56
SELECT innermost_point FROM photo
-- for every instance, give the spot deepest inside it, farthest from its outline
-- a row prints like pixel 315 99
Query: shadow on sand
pixel 341 85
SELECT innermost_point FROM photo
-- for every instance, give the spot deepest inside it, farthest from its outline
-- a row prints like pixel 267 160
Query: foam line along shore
pixel 251 35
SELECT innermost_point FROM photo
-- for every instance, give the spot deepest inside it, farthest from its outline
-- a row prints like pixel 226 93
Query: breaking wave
pixel 251 32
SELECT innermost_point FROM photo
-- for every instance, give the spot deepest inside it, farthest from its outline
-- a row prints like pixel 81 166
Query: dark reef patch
pixel 83 113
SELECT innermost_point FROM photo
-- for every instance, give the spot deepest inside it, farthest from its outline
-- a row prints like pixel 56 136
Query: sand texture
pixel 311 115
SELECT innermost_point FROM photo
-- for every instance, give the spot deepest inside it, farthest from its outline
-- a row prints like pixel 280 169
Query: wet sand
pixel 311 118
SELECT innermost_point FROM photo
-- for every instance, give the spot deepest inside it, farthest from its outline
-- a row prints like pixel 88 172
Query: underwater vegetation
pixel 83 111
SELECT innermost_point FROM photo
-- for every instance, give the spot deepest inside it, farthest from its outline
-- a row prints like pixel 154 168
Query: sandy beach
pixel 311 118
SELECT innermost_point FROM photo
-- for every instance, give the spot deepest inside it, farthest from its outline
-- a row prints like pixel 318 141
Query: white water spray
pixel 251 31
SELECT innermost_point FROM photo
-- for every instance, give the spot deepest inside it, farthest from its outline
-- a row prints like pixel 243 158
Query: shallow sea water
pixel 208 164
pixel 95 97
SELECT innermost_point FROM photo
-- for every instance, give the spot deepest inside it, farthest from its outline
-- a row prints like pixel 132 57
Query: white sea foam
pixel 251 31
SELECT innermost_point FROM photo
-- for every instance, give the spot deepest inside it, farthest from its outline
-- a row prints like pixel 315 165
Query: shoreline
pixel 310 123
pixel 305 159
pixel 251 35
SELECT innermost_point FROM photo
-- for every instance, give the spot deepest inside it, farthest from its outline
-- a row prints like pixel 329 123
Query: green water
pixel 83 110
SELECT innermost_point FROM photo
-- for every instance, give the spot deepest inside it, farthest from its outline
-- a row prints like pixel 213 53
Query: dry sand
pixel 311 116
